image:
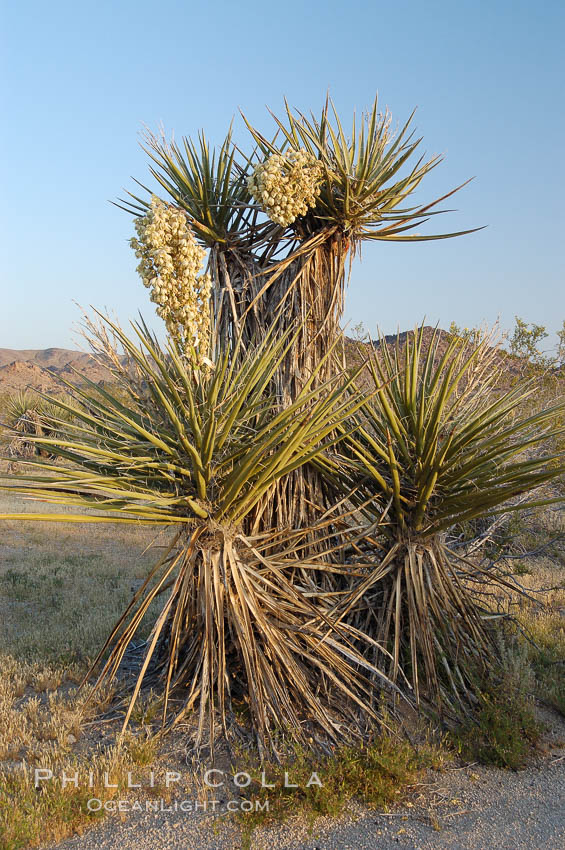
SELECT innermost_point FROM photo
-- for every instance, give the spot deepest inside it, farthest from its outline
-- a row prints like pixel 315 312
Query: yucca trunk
pixel 310 292
pixel 311 295
pixel 307 294
pixel 234 289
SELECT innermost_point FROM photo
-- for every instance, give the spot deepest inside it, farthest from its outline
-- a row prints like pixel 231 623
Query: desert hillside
pixel 39 369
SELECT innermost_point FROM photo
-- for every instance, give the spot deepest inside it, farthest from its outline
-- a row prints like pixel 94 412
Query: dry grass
pixel 51 575
pixel 44 725
pixel 543 617
pixel 61 590
pixel 507 726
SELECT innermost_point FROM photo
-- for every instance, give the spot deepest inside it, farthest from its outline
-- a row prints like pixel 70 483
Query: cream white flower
pixel 287 185
pixel 170 265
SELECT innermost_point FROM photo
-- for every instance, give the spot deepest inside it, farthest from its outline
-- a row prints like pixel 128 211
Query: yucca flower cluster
pixel 170 265
pixel 287 185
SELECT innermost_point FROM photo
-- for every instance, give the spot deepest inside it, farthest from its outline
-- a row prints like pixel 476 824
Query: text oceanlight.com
pixel 95 804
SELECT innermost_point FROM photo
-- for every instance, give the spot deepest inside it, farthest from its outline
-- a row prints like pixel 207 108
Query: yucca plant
pixel 362 188
pixel 19 403
pixel 27 414
pixel 287 264
pixel 197 450
pixel 438 446
pixel 364 180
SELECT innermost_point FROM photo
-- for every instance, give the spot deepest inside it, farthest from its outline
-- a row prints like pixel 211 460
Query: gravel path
pixel 474 808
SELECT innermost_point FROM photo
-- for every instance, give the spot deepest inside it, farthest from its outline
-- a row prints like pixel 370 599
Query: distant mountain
pixel 38 369
pixel 46 357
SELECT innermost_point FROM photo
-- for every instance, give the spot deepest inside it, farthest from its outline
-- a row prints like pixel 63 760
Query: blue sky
pixel 80 80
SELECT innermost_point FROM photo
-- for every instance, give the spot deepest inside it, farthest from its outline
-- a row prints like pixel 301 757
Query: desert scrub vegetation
pixel 528 549
pixel 376 774
pixel 534 553
pixel 61 588
pixel 505 728
pixel 307 587
pixel 525 343
pixel 49 576
pixel 44 725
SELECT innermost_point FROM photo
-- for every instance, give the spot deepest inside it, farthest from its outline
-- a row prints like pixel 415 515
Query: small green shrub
pixel 376 775
pixel 502 735
pixel 504 728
